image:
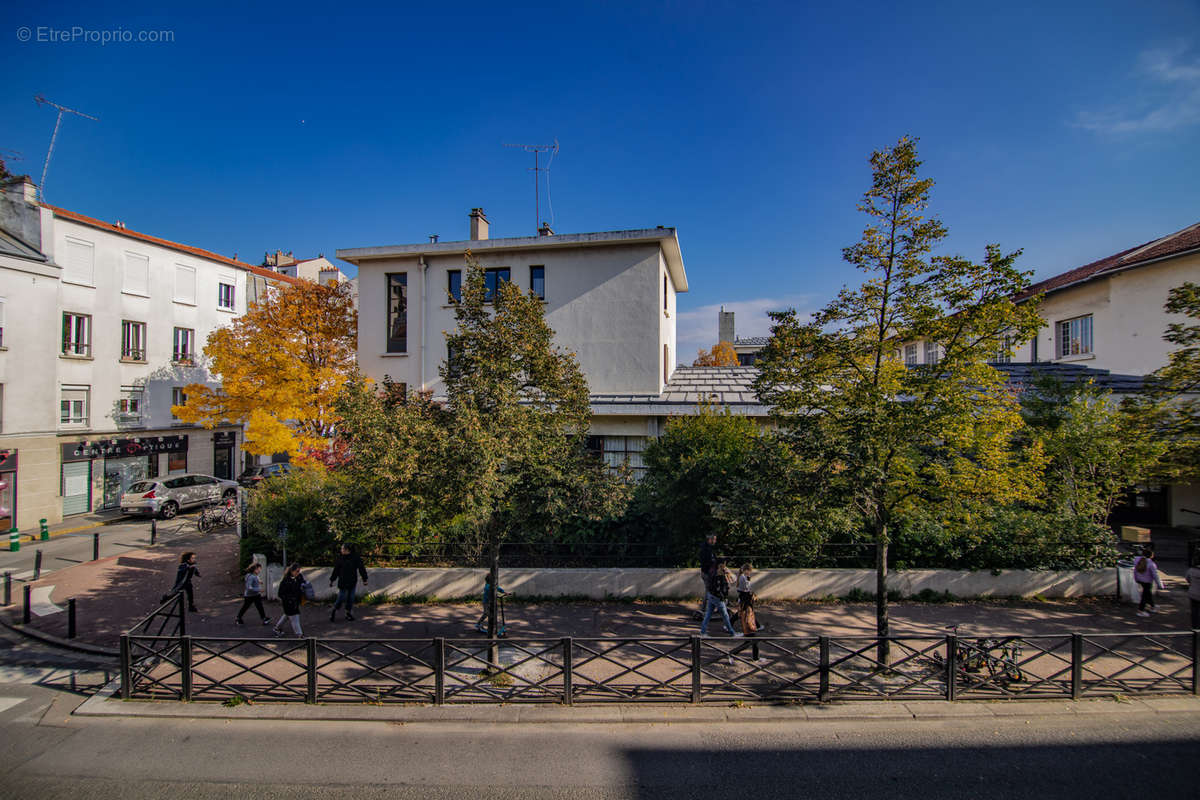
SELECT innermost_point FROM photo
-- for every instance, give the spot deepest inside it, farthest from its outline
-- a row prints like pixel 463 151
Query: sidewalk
pixel 74 524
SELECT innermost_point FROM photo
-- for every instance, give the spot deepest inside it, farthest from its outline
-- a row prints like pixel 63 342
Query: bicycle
pixel 217 515
pixel 974 655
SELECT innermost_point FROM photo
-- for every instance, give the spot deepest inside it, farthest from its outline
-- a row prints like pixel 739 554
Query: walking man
pixel 718 588
pixel 708 558
pixel 346 570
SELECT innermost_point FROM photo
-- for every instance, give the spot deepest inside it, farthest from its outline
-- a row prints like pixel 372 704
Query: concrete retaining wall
pixel 769 584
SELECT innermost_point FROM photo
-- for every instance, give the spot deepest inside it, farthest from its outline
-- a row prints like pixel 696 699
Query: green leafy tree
pixel 886 435
pixel 1174 398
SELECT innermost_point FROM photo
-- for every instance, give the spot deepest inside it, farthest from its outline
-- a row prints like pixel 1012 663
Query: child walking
pixel 1145 572
pixel 481 625
pixel 291 590
pixel 253 595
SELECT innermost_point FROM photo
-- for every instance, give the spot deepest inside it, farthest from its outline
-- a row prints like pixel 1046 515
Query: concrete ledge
pixel 673 584
pixel 66 644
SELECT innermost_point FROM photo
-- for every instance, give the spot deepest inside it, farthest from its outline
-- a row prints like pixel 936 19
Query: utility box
pixel 1133 533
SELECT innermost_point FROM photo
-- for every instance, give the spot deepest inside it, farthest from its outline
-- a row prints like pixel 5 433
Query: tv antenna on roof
pixel 537 150
pixel 61 110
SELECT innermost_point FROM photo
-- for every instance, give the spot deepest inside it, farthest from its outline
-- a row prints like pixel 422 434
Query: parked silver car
pixel 166 496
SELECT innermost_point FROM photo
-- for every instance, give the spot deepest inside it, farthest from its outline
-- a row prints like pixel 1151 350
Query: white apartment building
pixel 609 297
pixel 106 328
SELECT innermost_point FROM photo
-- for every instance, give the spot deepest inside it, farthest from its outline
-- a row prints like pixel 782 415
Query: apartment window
pixel 73 406
pixel 1075 336
pixel 185 284
pixel 932 353
pixel 537 281
pixel 136 279
pixel 910 354
pixel 454 285
pixel 129 407
pixel 621 451
pixel 664 292
pixel 397 312
pixel 2 304
pixel 225 296
pixel 183 351
pixel 1004 352
pixel 133 340
pixel 491 282
pixel 178 398
pixel 76 334
pixel 79 262
pixel 666 363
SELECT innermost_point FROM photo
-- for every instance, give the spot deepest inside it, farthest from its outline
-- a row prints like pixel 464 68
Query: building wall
pixel 604 304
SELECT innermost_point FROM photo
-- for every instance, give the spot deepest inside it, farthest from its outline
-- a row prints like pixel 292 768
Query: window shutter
pixel 137 274
pixel 79 261
pixel 185 284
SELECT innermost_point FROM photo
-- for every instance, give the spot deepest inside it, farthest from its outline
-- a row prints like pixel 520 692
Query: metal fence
pixel 658 670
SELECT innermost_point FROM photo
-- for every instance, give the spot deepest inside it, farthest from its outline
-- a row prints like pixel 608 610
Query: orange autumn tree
pixel 281 366
pixel 722 354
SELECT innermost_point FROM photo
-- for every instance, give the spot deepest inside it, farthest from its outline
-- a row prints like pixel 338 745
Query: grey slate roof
pixel 733 387
pixel 12 246
pixel 752 341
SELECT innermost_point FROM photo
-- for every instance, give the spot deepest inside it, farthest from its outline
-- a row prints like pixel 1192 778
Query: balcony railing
pixel 77 349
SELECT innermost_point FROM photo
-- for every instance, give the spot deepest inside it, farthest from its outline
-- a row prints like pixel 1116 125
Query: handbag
pixel 309 592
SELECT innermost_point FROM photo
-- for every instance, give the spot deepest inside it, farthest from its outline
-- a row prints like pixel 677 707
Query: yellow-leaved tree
pixel 281 366
pixel 722 354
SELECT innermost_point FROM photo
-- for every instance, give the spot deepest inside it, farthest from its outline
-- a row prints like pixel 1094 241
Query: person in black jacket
pixel 708 557
pixel 346 570
pixel 291 590
pixel 183 578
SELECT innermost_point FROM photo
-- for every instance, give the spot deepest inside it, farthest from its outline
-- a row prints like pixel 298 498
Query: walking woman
pixel 253 594
pixel 291 590
pixel 1145 572
pixel 183 579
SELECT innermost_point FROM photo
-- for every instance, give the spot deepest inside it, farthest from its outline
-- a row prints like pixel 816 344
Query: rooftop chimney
pixel 433 237
pixel 725 326
pixel 479 224
pixel 545 230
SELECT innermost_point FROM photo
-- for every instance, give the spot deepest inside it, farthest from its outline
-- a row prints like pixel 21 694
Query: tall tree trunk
pixel 494 601
pixel 883 648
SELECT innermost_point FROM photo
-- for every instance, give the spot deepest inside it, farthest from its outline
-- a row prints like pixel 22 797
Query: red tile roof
pixel 1172 244
pixel 183 248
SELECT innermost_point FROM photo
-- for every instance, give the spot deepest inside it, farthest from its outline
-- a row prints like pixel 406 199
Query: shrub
pixel 298 500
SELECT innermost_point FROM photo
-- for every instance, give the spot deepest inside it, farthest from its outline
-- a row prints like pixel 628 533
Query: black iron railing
pixel 660 670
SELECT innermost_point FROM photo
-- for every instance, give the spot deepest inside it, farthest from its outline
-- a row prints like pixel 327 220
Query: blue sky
pixel 1071 130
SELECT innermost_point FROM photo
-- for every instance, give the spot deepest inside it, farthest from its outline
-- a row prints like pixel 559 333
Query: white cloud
pixel 1172 77
pixel 697 328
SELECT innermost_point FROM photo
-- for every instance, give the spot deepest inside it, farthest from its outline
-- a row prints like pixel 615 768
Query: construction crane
pixel 53 137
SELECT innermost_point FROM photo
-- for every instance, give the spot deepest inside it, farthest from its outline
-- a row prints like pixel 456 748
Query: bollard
pixel 8 588
pixel 25 613
pixel 14 541
pixel 37 565
pixel 71 618
pixel 95 546
pixel 153 530
pixel 44 528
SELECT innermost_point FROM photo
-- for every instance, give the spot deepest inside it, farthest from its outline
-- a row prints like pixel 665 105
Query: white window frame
pixel 135 278
pixel 619 451
pixel 223 284
pixel 132 404
pixel 180 355
pixel 79 262
pixel 185 284
pixel 910 354
pixel 133 340
pixel 1074 337
pixel 933 353
pixel 77 335
pixel 75 400
pixel 178 398
pixel 3 303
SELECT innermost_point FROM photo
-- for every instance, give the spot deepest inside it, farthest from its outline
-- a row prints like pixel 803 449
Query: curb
pixel 65 644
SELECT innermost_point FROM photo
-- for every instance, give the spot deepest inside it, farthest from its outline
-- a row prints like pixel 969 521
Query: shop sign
pixel 124 448
pixel 224 437
pixel 8 460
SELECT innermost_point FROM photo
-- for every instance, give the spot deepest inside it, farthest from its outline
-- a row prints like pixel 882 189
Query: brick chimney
pixel 479 224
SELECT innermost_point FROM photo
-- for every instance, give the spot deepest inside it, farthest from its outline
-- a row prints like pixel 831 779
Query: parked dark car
pixel 256 475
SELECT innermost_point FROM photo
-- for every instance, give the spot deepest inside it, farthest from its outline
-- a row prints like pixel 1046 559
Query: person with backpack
pixel 1145 572
pixel 291 592
pixel 715 598
pixel 253 595
pixel 346 570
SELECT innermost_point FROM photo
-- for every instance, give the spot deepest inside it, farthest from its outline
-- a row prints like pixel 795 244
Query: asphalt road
pixel 69 549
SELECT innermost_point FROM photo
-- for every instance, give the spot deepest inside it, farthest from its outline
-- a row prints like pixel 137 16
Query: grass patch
pixel 235 701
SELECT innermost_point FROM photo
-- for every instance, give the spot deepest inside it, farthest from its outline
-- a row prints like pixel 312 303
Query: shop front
pixel 8 490
pixel 122 462
pixel 223 446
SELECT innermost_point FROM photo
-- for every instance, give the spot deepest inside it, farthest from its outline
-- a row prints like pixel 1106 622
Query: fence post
pixel 153 530
pixel 567 667
pixel 25 613
pixel 695 669
pixel 95 547
pixel 37 565
pixel 823 669
pixel 1196 662
pixel 185 666
pixel 126 671
pixel 439 671
pixel 71 618
pixel 311 694
pixel 951 667
pixel 1076 666
pixel 182 613
pixel 8 588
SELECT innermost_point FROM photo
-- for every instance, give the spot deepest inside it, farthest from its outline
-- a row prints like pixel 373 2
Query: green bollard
pixel 45 529
pixel 14 540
